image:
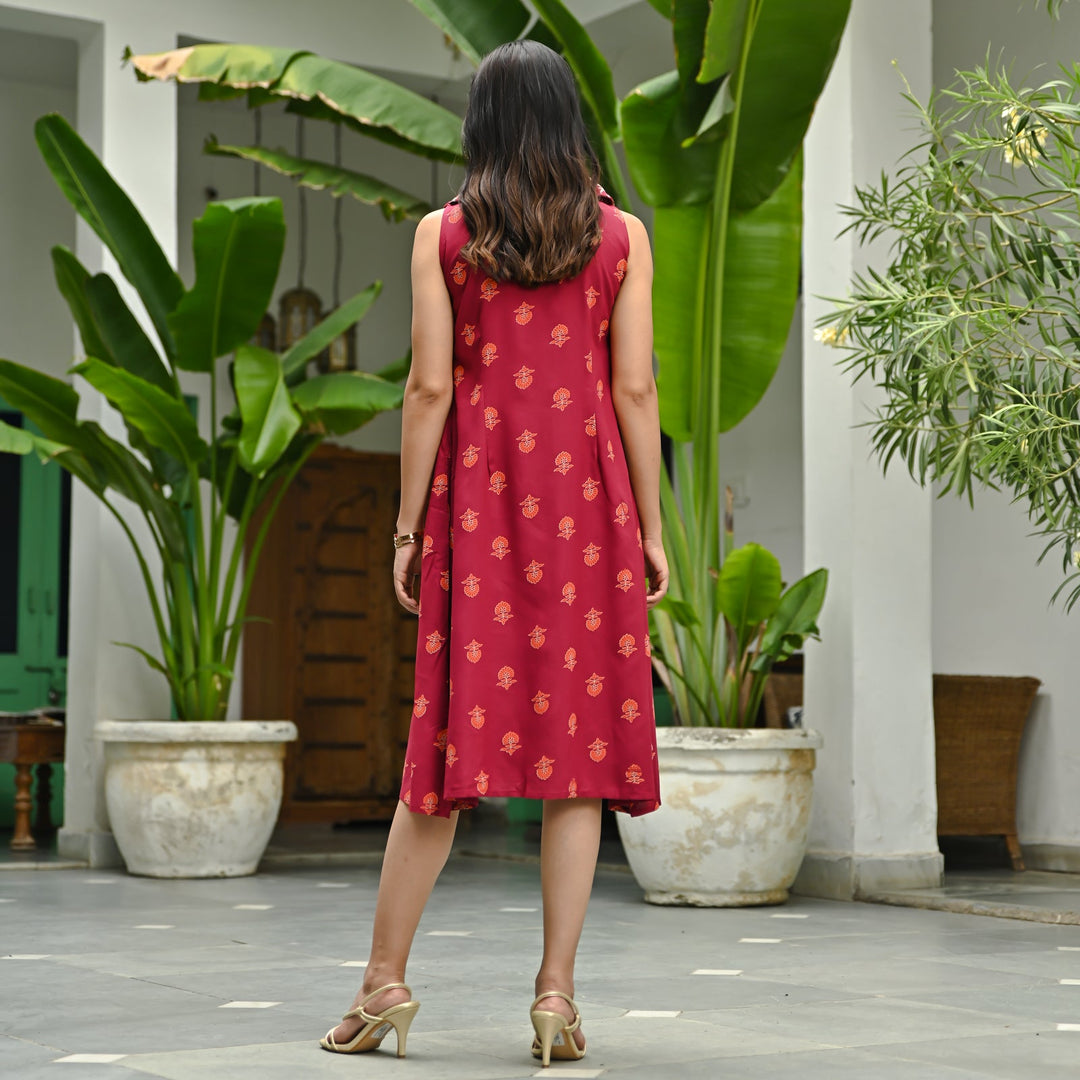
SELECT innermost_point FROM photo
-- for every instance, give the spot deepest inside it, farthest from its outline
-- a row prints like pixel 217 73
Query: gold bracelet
pixel 400 540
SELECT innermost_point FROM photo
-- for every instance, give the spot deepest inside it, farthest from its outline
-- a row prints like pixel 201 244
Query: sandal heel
pixel 547 1026
pixel 401 1022
pixel 552 1026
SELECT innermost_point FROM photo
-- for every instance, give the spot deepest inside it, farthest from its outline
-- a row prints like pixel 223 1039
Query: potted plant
pixel 198 797
pixel 725 181
pixel 971 328
pixel 713 147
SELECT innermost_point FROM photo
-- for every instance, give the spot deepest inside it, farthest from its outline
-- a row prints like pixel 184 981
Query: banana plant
pixel 190 492
pixel 713 146
pixel 763 624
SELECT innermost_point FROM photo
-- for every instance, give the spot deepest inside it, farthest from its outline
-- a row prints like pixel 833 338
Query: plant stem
pixel 253 559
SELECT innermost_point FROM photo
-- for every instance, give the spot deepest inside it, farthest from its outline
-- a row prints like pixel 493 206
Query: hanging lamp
pixel 299 309
pixel 340 354
pixel 266 335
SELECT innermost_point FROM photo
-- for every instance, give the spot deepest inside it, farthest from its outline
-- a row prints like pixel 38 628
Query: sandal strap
pixel 362 1013
pixel 566 997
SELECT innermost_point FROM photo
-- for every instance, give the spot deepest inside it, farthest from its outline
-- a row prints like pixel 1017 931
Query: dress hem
pixel 449 803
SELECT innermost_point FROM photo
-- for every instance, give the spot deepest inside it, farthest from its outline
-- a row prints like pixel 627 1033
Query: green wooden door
pixel 34 526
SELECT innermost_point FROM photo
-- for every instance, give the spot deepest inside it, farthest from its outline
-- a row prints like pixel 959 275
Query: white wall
pixel 34 216
pixel 991 613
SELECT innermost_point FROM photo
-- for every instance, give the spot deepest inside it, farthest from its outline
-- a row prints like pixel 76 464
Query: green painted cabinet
pixel 35 502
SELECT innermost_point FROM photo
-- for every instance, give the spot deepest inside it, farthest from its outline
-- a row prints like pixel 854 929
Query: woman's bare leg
pixel 416 851
pixel 570 842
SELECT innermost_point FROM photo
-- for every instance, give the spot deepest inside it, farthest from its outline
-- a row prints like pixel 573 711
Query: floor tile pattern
pixel 231 979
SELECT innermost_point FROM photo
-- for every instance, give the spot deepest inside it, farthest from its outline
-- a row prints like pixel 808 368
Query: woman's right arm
pixel 429 391
pixel 633 394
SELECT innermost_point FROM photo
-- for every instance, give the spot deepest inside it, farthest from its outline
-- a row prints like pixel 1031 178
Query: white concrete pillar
pixel 868 684
pixel 133 129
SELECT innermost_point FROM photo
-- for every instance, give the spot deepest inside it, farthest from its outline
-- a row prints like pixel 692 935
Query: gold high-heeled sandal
pixel 376 1026
pixel 554 1036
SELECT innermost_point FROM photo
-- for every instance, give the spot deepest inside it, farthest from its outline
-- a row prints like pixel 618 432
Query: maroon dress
pixel 532 669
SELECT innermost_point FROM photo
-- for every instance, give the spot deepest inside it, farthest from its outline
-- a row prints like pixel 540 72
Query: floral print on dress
pixel 533 630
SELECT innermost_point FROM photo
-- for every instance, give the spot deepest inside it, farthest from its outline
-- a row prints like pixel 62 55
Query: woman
pixel 530 512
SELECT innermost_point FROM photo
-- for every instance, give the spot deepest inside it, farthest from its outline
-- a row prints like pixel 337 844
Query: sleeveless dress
pixel 533 675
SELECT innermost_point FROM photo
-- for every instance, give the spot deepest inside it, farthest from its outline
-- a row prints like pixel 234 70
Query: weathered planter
pixel 735 809
pixel 191 800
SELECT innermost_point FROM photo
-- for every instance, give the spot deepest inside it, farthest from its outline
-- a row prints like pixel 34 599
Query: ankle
pixel 376 977
pixel 550 980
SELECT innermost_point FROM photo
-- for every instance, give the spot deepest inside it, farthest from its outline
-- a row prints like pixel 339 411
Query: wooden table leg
pixel 23 840
pixel 1014 851
pixel 43 797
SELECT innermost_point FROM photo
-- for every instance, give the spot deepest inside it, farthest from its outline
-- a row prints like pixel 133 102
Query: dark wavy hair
pixel 529 194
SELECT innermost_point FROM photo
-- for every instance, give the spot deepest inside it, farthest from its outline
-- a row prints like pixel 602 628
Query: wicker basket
pixel 978 723
pixel 783 691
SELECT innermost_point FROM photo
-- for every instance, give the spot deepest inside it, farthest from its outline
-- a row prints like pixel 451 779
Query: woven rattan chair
pixel 978 723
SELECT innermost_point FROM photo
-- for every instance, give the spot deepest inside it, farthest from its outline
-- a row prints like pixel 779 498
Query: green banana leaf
pixel 335 404
pixel 750 585
pixel 127 346
pixel 794 620
pixel 17 440
pixel 245 67
pixel 689 19
pixel 104 206
pixel 724 32
pixel 163 420
pixel 791 55
pixel 761 284
pixel 94 457
pixel 689 22
pixel 682 612
pixel 476 26
pixel 373 105
pixel 238 245
pixel 397 370
pixel 662 7
pixel 761 288
pixel 49 403
pixel 395 204
pixel 269 419
pixel 118 468
pixel 71 278
pixel 715 120
pixel 679 251
pixel 377 104
pixel 655 126
pixel 320 335
pixel 590 67
pixel 125 341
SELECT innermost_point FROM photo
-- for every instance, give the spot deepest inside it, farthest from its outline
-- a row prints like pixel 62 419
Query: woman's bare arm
pixel 633 394
pixel 429 391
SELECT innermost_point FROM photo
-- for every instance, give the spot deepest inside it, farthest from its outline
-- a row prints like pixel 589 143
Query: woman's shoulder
pixel 430 223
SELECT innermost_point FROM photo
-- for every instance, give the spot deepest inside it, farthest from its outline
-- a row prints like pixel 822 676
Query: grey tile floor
pixel 150 976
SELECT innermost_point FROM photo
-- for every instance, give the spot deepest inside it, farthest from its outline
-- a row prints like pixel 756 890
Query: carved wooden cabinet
pixel 338 653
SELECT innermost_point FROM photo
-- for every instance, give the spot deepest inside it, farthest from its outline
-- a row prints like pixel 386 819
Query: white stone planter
pixel 190 800
pixel 731 828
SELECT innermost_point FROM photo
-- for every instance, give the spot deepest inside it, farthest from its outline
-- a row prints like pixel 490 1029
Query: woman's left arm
pixel 633 394
pixel 429 390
